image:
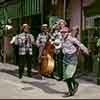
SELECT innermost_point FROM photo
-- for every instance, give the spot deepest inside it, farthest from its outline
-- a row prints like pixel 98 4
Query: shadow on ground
pixel 44 86
pixel 15 73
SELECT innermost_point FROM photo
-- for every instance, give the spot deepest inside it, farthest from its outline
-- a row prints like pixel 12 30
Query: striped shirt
pixel 41 39
pixel 24 42
pixel 69 47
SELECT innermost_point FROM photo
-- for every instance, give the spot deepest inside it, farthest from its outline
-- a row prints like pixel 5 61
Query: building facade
pixel 80 13
pixel 19 12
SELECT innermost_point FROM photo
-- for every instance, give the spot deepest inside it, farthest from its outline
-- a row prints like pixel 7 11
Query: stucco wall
pixel 75 9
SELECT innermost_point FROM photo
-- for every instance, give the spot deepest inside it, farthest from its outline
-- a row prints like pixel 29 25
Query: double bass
pixel 46 65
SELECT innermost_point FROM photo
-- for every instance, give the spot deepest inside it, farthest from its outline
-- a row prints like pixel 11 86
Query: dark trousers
pixel 72 85
pixel 25 60
pixel 58 70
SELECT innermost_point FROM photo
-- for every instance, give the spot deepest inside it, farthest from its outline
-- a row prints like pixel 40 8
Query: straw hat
pixel 44 25
pixel 61 20
pixel 24 25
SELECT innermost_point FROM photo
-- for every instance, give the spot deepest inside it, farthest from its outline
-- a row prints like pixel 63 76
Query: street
pixel 11 87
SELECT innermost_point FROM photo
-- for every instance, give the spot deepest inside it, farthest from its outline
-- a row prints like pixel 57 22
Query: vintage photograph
pixel 49 49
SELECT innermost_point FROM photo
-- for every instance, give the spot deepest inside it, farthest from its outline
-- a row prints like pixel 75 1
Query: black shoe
pixel 76 87
pixel 60 79
pixel 29 75
pixel 57 78
pixel 68 94
pixel 20 76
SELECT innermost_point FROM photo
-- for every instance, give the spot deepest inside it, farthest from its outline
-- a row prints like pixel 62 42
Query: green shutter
pixel 22 8
pixel 1 14
pixel 32 7
pixel 12 11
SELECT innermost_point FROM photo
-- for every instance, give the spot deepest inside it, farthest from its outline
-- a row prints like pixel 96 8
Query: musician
pixel 42 38
pixel 56 39
pixel 70 60
pixel 24 42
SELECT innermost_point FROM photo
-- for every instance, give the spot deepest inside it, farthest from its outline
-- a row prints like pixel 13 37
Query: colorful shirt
pixel 69 45
pixel 41 39
pixel 41 42
pixel 24 42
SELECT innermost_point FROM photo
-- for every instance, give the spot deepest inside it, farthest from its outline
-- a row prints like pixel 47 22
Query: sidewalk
pixel 34 88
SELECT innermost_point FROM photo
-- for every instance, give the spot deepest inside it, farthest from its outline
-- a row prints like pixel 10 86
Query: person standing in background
pixel 56 39
pixel 59 29
pixel 24 42
pixel 41 43
pixel 42 39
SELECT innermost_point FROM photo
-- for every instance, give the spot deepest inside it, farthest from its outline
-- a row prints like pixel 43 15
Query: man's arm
pixel 13 40
pixel 32 39
pixel 80 45
pixel 38 40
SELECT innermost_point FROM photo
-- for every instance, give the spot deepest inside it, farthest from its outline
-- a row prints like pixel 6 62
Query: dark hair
pixel 23 26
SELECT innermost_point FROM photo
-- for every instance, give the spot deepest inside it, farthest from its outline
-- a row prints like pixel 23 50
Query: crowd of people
pixel 56 44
